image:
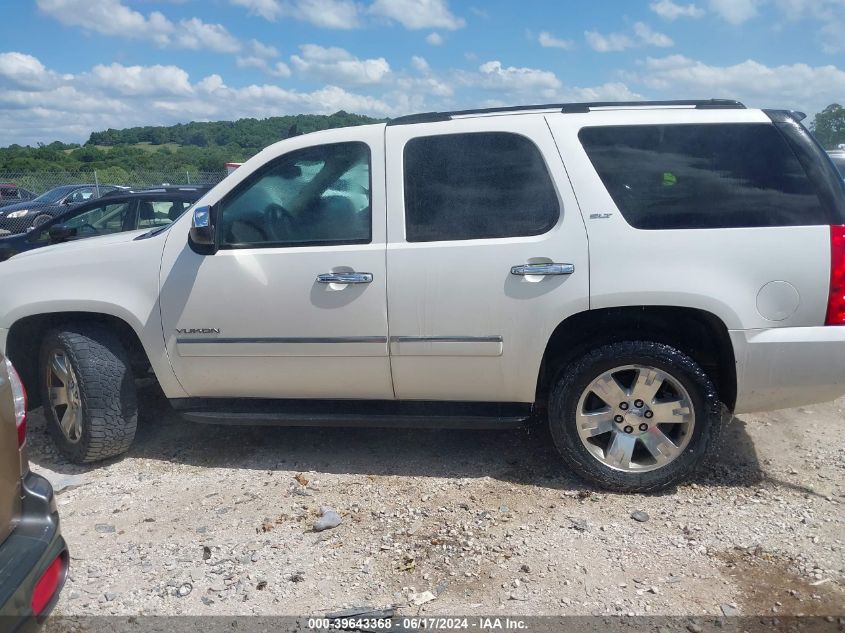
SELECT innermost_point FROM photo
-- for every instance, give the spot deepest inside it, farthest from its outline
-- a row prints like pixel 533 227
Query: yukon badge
pixel 198 330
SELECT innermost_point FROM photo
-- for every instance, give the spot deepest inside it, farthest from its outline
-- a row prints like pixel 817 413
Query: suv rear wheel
pixel 88 392
pixel 634 416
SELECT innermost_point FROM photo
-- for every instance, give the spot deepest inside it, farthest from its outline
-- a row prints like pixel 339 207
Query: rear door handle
pixel 543 269
pixel 345 278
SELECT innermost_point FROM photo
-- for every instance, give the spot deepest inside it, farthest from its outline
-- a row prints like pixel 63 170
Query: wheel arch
pixel 23 343
pixel 700 334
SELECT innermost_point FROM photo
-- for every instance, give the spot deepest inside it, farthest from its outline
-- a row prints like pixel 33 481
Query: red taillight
pixel 19 399
pixel 836 298
pixel 48 585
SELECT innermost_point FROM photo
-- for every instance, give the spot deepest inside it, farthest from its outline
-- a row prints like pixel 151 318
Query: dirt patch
pixel 769 584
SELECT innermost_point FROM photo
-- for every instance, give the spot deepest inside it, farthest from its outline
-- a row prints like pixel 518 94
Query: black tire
pixel 573 379
pixel 41 219
pixel 109 405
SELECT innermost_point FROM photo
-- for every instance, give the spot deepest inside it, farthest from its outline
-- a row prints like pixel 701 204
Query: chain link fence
pixel 39 182
pixel 30 198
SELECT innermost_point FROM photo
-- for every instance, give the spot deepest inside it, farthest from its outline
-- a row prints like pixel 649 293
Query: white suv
pixel 628 271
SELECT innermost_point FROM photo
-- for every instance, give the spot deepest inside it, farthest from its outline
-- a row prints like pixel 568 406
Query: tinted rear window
pixel 702 176
pixel 473 186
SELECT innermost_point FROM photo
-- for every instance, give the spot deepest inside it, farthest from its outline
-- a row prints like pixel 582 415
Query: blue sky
pixel 68 67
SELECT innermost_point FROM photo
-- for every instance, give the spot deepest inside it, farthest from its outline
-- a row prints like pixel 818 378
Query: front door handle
pixel 345 278
pixel 543 269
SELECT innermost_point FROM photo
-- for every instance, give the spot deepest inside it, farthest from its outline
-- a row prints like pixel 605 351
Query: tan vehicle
pixel 33 554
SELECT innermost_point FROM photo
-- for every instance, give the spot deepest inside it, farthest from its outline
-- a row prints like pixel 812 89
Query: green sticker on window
pixel 669 179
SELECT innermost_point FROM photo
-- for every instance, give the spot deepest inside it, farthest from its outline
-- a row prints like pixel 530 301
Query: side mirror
pixel 202 233
pixel 61 233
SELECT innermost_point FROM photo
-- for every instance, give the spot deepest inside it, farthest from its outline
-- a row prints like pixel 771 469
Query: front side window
pixel 693 176
pixel 80 195
pixel 476 186
pixel 312 196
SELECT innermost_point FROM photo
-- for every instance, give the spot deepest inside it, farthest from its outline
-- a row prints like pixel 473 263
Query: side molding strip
pixel 290 340
pixel 446 339
pixel 446 346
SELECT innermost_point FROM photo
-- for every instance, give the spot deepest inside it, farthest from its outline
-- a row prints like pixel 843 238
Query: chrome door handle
pixel 543 269
pixel 345 278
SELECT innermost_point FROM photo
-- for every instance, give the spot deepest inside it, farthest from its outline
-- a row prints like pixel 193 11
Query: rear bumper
pixel 779 368
pixel 25 555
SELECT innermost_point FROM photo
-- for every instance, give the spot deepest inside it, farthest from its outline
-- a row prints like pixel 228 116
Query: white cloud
pixel 19 70
pixel 277 69
pixel 328 14
pixel 494 76
pixel 612 42
pixel 672 11
pixel 338 65
pixel 794 86
pixel 611 91
pixel 196 34
pixel 650 37
pixel 251 61
pixel 111 17
pixel 547 40
pixel 735 11
pixel 644 35
pixel 418 14
pixel 259 49
pixel 280 69
pixel 420 64
pixel 142 80
pixel 434 38
pixel 267 9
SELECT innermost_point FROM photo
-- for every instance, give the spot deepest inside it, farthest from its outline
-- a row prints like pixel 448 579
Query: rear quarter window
pixel 699 176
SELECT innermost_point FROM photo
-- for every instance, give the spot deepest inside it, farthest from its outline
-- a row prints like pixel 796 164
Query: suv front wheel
pixel 634 416
pixel 88 392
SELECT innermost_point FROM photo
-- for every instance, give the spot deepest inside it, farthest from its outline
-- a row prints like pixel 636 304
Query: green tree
pixel 829 126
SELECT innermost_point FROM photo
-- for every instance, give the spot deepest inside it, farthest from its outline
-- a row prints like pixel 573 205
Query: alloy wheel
pixel 635 418
pixel 65 398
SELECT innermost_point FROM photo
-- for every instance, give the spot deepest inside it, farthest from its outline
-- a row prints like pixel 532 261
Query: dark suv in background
pixel 33 554
pixel 115 212
pixel 19 217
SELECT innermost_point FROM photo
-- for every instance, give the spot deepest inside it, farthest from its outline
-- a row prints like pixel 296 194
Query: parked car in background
pixel 10 193
pixel 17 218
pixel 115 212
pixel 33 554
pixel 838 158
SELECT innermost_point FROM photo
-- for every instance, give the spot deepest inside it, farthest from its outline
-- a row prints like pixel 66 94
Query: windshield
pixel 54 195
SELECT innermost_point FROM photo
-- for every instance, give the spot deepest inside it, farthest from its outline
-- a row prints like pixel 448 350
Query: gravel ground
pixel 208 520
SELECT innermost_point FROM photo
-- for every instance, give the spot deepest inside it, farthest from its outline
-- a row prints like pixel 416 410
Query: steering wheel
pixel 87 228
pixel 279 222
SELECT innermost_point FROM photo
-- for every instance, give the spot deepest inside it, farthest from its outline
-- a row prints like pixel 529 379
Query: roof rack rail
pixel 569 108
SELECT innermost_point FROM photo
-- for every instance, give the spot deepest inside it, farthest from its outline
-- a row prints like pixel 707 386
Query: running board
pixel 355 413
